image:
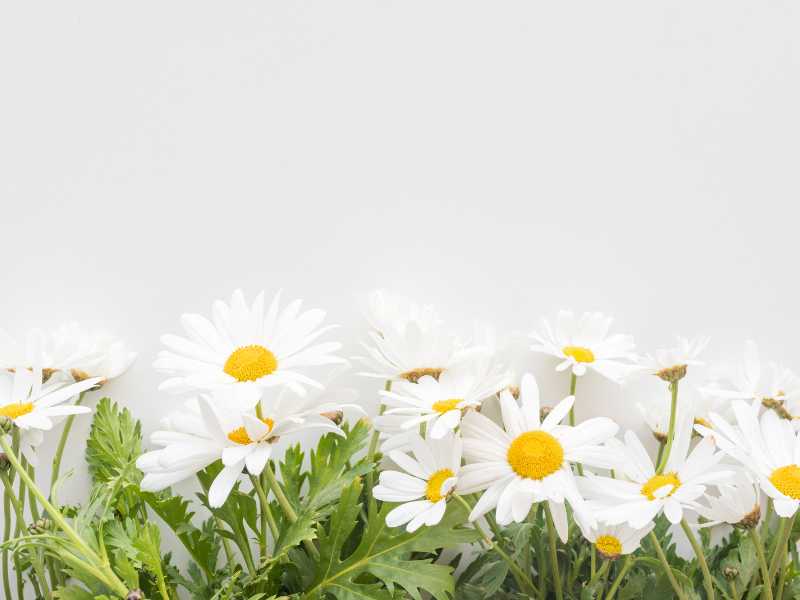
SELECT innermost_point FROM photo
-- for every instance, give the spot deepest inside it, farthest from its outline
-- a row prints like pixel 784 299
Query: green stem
pixel 618 581
pixel 34 552
pixel 708 581
pixel 264 505
pixel 593 563
pixel 667 569
pixel 734 592
pixel 287 508
pixel 673 411
pixel 110 578
pixel 781 583
pixel 523 580
pixel 762 562
pixel 660 454
pixel 573 384
pixel 551 535
pixel 6 535
pixel 600 572
pixel 372 504
pixel 62 443
pixel 784 532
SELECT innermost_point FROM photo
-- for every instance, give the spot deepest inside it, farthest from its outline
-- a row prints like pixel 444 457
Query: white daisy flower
pixel 613 541
pixel 529 460
pixel 441 403
pixel 643 494
pixel 769 447
pixel 737 504
pixel 32 406
pixel 583 343
pixel 246 345
pixel 410 343
pixel 187 444
pixel 385 310
pixel 225 426
pixel 425 485
pixel 69 349
pixel 670 363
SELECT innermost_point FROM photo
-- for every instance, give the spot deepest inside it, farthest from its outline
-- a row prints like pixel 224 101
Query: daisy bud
pixel 135 595
pixel 730 573
pixel 6 424
pixel 334 415
pixel 5 464
pixel 40 526
pixel 672 374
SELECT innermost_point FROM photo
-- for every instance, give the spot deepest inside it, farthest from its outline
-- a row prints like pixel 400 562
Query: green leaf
pixel 73 592
pixel 384 553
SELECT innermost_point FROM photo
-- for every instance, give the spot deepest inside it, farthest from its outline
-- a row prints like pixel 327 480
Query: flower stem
pixel 784 533
pixel 673 410
pixel 6 535
pixel 573 384
pixel 667 569
pixel 35 556
pixel 372 504
pixel 762 562
pixel 618 580
pixel 110 578
pixel 551 536
pixel 62 443
pixel 523 580
pixel 264 506
pixel 287 508
pixel 708 581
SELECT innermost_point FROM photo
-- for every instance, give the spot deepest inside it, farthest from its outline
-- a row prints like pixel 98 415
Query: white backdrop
pixel 500 159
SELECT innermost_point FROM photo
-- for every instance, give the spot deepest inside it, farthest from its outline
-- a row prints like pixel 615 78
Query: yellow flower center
pixel 656 482
pixel 787 480
pixel 442 406
pixel 608 546
pixel 535 455
pixel 239 435
pixel 249 363
pixel 14 410
pixel 579 353
pixel 433 491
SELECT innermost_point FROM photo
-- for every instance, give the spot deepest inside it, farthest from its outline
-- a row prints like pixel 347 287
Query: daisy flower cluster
pixel 250 376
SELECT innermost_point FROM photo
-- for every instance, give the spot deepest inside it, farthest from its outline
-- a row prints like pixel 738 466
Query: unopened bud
pixel 6 424
pixel 5 464
pixel 135 595
pixel 730 573
pixel 334 415
pixel 41 526
pixel 672 374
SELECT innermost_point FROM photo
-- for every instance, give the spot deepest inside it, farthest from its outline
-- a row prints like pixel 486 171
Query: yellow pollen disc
pixel 433 491
pixel 239 435
pixel 656 482
pixel 787 480
pixel 12 411
pixel 249 363
pixel 608 545
pixel 535 455
pixel 579 353
pixel 442 406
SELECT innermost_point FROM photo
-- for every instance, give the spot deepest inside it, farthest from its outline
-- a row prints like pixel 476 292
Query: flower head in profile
pixel 440 403
pixel 737 504
pixel 425 483
pixel 656 411
pixel 670 364
pixel 408 341
pixel 583 343
pixel 613 541
pixel 247 345
pixel 33 406
pixel 71 350
pixel 643 493
pixel 528 460
pixel 767 446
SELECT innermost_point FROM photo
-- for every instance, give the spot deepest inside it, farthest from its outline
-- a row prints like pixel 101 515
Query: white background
pixel 501 159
